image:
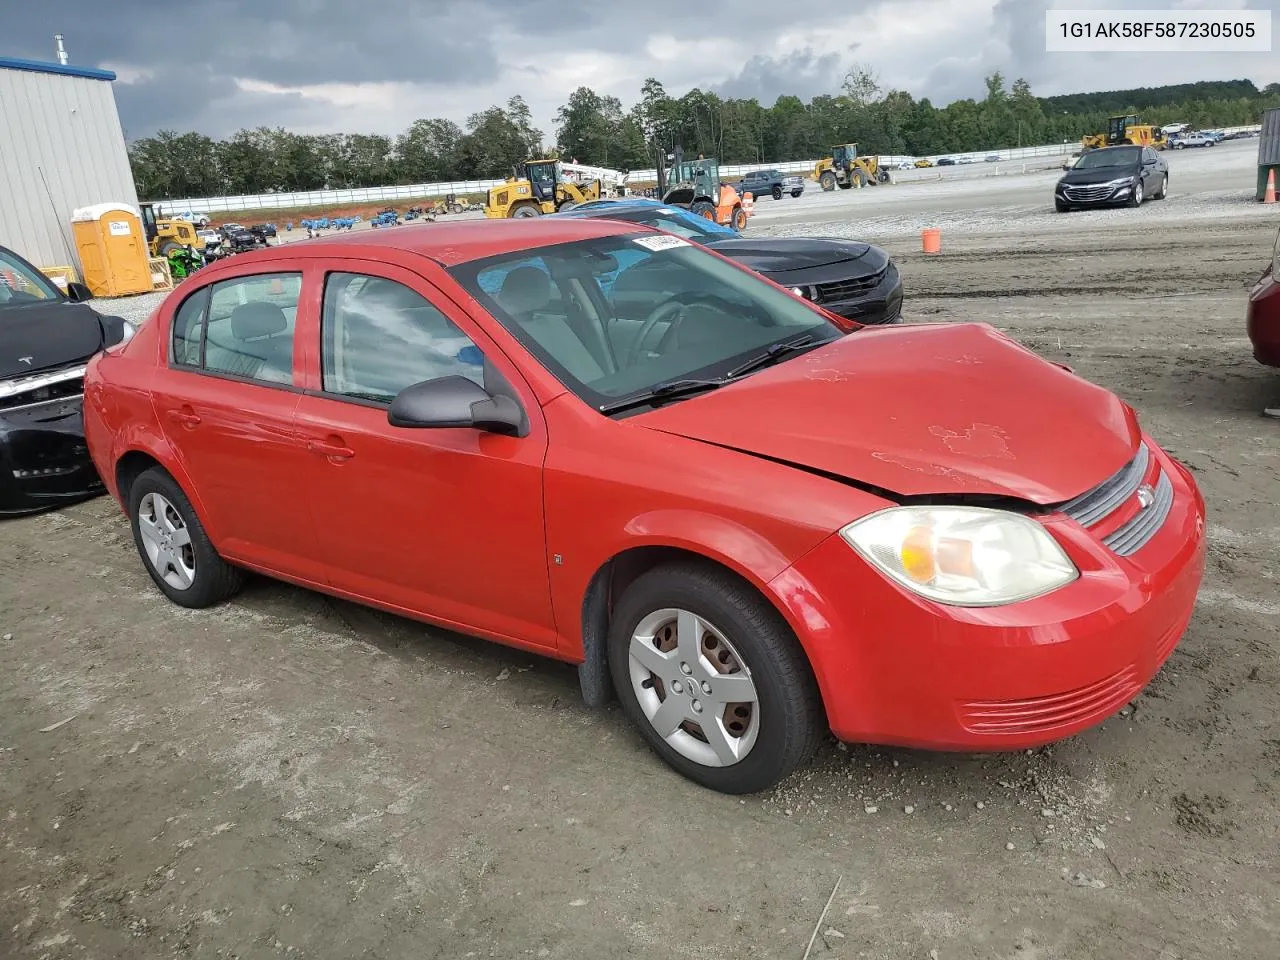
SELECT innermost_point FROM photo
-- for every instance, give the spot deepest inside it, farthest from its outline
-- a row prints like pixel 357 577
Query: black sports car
pixel 847 277
pixel 46 338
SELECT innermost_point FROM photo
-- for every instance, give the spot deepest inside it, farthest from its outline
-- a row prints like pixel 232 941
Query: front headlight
pixel 962 556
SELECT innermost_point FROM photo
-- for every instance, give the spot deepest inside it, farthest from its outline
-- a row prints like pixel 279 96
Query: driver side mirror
pixel 455 402
pixel 78 292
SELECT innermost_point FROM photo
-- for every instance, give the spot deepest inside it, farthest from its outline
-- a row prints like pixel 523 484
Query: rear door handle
pixel 184 416
pixel 333 449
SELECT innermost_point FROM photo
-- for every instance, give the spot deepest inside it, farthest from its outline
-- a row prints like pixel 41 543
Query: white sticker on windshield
pixel 662 242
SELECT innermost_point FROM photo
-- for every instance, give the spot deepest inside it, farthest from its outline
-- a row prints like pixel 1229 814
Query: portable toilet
pixel 1269 150
pixel 113 249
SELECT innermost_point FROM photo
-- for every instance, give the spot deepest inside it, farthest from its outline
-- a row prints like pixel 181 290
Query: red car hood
pixel 927 409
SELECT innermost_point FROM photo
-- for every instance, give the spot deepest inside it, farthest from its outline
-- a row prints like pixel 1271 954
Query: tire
pixel 776 193
pixel 859 177
pixel 167 247
pixel 704 208
pixel 1136 199
pixel 567 205
pixel 796 193
pixel 525 210
pixel 730 621
pixel 827 181
pixel 739 219
pixel 1060 206
pixel 1179 146
pixel 156 496
pixel 1164 189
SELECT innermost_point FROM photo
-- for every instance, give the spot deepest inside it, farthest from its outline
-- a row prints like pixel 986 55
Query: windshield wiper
pixel 670 390
pixel 772 355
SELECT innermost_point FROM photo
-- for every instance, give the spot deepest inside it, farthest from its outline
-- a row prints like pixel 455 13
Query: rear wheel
pixel 796 193
pixel 167 247
pixel 713 678
pixel 827 181
pixel 704 208
pixel 173 545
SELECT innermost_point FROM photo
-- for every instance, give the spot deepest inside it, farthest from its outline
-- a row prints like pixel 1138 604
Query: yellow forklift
pixel 845 169
pixel 538 187
pixel 1125 129
pixel 164 235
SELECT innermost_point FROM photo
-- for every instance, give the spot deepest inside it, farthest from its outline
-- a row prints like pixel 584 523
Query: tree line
pixel 595 129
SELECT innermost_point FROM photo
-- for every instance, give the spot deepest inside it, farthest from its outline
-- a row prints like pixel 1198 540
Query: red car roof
pixel 463 240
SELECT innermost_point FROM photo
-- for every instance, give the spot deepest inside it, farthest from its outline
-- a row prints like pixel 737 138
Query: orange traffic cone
pixel 1270 195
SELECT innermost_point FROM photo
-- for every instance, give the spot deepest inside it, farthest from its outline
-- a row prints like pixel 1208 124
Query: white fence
pixel 364 195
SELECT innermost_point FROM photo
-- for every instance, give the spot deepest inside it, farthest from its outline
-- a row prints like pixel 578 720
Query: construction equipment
pixel 845 169
pixel 696 186
pixel 538 187
pixel 1126 129
pixel 167 234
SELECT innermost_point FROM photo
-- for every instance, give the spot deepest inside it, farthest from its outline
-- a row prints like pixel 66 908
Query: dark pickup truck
pixel 770 183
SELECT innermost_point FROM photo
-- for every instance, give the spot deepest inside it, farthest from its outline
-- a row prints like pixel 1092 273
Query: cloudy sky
pixel 318 66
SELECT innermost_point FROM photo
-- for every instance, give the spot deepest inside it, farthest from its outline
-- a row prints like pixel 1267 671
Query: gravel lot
pixel 293 776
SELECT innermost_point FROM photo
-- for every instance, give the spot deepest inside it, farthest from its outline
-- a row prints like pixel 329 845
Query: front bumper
pixel 896 669
pixel 875 303
pixel 1263 320
pixel 44 462
pixel 1093 195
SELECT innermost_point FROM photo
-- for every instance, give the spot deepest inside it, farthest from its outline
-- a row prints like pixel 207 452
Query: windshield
pixel 614 317
pixel 675 220
pixel 20 283
pixel 1115 157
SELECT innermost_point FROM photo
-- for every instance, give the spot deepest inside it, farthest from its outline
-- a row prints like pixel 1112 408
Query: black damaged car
pixel 1126 174
pixel 46 338
pixel 847 277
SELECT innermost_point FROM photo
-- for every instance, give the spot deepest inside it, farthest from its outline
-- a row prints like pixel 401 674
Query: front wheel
pixel 739 219
pixel 705 209
pixel 525 210
pixel 1164 189
pixel 173 545
pixel 827 181
pixel 776 193
pixel 1138 197
pixel 713 678
pixel 1060 206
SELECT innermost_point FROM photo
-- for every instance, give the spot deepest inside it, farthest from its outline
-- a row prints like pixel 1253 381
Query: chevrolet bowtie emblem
pixel 26 360
pixel 1146 496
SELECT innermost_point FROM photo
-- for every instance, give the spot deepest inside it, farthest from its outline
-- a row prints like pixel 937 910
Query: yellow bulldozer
pixel 538 187
pixel 164 234
pixel 845 169
pixel 1125 129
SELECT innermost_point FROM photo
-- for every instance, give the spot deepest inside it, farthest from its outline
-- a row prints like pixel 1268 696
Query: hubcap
pixel 694 688
pixel 167 541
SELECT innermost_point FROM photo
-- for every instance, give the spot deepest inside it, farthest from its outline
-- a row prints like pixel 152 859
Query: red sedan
pixel 750 520
pixel 1263 322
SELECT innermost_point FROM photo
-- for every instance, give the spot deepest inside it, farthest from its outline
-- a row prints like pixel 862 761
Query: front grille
pixel 1129 538
pixel 1089 192
pixel 1045 714
pixel 1093 507
pixel 853 287
pixel 50 386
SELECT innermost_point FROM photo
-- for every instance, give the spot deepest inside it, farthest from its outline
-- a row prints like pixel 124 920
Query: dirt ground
pixel 290 776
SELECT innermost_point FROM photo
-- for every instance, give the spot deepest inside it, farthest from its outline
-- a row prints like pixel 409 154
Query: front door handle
pixel 333 449
pixel 185 416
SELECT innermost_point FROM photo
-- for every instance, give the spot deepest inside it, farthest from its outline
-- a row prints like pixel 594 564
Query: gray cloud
pixel 375 65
